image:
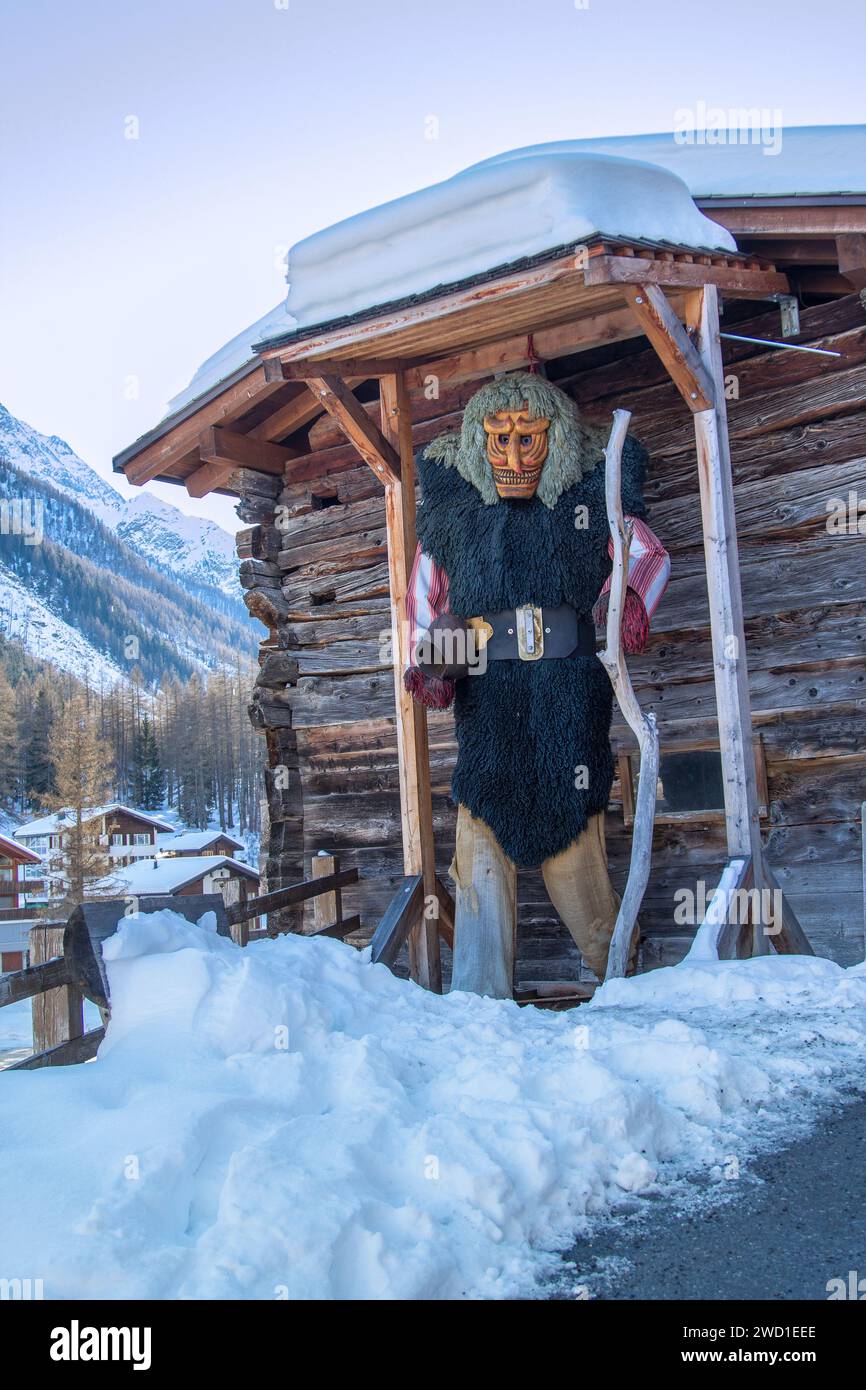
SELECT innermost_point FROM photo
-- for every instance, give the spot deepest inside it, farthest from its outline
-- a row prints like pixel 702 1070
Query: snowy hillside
pixel 306 1126
pixel 26 619
pixel 182 546
pixel 75 593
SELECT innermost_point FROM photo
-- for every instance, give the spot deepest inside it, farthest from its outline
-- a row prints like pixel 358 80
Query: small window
pixel 690 784
pixel 141 839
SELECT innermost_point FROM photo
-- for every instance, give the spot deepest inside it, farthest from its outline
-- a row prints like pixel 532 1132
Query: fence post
pixel 327 908
pixel 58 1014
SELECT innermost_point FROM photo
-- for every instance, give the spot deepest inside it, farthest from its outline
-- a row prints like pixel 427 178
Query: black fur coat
pixel 526 730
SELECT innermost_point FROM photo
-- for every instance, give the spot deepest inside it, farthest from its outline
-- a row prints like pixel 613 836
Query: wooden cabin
pixel 315 560
pixel 16 863
pixel 199 842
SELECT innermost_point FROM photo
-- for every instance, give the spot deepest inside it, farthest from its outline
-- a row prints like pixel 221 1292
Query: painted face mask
pixel 516 450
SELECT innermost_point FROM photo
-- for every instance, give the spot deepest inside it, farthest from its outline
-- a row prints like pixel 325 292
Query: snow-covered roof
pixel 13 850
pixel 158 876
pixel 62 820
pixel 196 839
pixel 817 161
pixel 534 199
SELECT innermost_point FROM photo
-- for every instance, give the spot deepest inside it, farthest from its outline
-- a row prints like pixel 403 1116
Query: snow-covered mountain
pixel 184 547
pixel 101 585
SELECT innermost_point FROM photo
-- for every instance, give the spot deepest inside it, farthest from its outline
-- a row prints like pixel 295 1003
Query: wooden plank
pixel 739 284
pixel 398 921
pixel 361 431
pixel 287 897
pixel 225 450
pixel 359 368
pixel 65 1054
pixel 726 604
pixel 413 754
pixel 672 344
pixel 788 221
pixel 34 979
pixel 338 931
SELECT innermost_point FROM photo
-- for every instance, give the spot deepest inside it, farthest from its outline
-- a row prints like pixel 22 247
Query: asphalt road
pixel 784 1236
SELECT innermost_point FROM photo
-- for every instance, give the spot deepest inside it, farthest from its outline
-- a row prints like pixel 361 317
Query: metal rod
pixel 792 347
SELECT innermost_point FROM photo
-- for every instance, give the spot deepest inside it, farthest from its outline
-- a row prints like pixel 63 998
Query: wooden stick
pixel 642 725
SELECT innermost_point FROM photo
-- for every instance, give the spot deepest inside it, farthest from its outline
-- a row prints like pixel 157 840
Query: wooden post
pixel 327 908
pixel 726 604
pixel 412 750
pixel 233 894
pixel 58 1014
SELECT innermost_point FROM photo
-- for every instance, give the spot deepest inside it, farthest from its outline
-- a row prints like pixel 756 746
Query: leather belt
pixel 531 633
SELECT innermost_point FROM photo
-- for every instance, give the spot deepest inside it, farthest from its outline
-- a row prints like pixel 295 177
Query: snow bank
pixel 290 1121
pixel 520 204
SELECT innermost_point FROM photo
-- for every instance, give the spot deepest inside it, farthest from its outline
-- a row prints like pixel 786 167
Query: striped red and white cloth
pixel 648 572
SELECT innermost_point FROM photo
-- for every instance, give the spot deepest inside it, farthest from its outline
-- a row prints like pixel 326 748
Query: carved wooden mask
pixel 516 450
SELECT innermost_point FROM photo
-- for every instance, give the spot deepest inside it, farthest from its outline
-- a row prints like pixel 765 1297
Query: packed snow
pixel 519 204
pixel 290 1121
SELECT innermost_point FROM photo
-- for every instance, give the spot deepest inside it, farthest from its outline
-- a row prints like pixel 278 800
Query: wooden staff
pixel 642 725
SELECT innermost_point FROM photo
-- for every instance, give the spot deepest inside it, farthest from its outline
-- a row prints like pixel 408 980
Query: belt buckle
pixel 530 632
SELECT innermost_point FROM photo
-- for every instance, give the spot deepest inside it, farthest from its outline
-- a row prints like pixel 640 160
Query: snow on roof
pixel 61 820
pixel 538 197
pixel 157 876
pixel 821 161
pixel 13 850
pixel 519 204
pixel 196 839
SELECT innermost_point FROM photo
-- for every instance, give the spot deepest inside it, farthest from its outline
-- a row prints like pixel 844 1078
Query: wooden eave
pixel 569 302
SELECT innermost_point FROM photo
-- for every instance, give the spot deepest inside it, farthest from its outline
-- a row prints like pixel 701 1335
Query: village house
pixel 125 833
pixel 15 916
pixel 198 842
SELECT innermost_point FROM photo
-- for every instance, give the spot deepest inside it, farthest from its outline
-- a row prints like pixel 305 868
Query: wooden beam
pixel 851 249
pixel 173 443
pixel 741 283
pixel 223 450
pixel 416 807
pixel 374 448
pixel 790 221
pixel 673 345
pixel 721 555
pixel 309 368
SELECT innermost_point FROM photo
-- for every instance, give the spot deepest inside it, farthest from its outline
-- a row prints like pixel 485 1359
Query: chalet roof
pixel 61 820
pixel 147 877
pixel 196 839
pixel 812 161
pixel 11 849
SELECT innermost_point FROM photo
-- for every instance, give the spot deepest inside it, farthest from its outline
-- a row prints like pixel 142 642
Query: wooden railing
pixel 66 957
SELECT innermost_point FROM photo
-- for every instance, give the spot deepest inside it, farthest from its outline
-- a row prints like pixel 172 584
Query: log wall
pixel 315 572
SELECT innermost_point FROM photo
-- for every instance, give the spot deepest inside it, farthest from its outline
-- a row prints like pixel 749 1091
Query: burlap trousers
pixel 485 927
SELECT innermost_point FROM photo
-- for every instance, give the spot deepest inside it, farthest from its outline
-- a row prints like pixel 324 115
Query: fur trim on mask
pixel 573 449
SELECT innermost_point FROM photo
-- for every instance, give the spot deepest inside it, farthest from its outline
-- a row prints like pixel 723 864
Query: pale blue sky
pixel 260 122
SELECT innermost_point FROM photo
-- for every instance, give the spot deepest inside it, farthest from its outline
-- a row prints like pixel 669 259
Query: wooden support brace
pixel 673 345
pixel 223 450
pixel 374 448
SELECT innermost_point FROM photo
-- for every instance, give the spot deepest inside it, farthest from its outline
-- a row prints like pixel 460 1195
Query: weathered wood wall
pixel 316 574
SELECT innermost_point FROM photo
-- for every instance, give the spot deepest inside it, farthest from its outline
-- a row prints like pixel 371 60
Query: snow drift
pixel 288 1121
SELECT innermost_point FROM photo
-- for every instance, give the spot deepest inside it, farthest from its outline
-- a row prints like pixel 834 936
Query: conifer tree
pixel 84 775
